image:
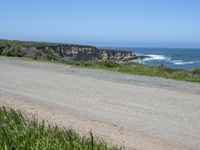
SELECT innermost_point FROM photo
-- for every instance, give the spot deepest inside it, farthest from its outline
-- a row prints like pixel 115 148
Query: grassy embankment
pixel 133 68
pixel 14 49
pixel 19 133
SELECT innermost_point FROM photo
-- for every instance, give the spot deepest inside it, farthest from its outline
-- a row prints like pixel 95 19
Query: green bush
pixel 50 55
pixel 14 51
pixel 196 71
pixel 1 50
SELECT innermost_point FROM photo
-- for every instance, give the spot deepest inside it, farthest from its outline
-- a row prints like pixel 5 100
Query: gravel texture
pixel 134 111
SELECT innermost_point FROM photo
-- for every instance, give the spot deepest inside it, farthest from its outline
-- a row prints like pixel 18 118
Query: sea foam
pixel 156 57
pixel 180 62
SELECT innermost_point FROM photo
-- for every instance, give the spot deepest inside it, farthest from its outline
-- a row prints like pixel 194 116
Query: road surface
pixel 162 110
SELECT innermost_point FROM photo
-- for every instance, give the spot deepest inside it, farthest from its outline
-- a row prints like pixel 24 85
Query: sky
pixel 113 23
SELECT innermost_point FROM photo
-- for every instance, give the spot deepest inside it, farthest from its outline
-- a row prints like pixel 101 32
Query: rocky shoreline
pixel 38 50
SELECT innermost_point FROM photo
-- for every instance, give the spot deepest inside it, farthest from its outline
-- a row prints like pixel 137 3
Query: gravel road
pixel 159 109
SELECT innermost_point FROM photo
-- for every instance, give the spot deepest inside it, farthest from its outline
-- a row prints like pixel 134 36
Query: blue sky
pixel 135 23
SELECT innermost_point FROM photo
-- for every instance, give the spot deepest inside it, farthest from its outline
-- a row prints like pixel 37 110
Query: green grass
pixel 19 133
pixel 134 69
pixel 4 43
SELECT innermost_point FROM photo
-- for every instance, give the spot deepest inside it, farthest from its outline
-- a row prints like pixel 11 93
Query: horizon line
pixel 98 46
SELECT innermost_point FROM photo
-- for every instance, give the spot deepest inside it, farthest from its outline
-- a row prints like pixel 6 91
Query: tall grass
pixel 19 133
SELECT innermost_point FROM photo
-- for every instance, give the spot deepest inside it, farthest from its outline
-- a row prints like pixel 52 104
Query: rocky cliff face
pixel 79 52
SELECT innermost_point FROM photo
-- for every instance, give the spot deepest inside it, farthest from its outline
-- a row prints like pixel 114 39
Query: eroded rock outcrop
pixel 87 53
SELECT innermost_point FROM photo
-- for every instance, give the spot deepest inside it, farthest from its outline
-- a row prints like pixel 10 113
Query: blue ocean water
pixel 181 58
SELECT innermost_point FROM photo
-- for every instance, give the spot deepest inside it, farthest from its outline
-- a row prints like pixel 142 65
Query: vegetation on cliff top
pixel 19 133
pixel 5 43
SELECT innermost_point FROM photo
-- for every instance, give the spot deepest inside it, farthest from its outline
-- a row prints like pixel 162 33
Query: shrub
pixel 196 71
pixel 1 50
pixel 15 51
pixel 50 55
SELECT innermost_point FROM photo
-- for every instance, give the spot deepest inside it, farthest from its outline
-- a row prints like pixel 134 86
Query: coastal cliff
pixel 38 50
pixel 79 52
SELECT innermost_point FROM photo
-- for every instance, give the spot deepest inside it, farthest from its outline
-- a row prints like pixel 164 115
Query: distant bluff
pixel 86 53
pixel 37 50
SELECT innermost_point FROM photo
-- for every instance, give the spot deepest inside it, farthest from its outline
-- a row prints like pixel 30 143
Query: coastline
pixel 92 57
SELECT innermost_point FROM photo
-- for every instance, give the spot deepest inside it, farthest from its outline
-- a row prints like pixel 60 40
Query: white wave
pixel 156 57
pixel 138 61
pixel 164 58
pixel 180 62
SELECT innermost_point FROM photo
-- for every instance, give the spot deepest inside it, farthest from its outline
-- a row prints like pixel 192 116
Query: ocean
pixel 181 58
